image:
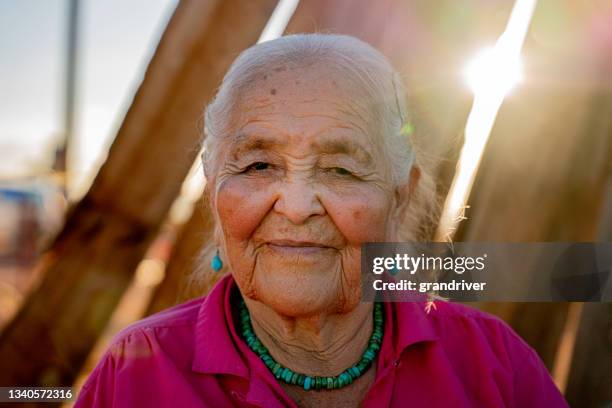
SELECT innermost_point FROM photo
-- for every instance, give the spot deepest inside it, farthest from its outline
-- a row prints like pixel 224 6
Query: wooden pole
pixel 107 233
pixel 590 378
pixel 184 261
pixel 542 179
pixel 60 165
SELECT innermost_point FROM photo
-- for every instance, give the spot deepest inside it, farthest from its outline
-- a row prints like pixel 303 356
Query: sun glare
pixel 493 72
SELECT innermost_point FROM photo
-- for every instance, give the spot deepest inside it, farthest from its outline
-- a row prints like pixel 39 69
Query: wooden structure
pixel 108 232
pixel 548 168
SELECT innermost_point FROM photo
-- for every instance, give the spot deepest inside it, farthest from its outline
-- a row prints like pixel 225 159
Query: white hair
pixel 381 105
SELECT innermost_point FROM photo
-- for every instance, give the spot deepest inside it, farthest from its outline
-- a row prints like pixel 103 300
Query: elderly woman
pixel 305 161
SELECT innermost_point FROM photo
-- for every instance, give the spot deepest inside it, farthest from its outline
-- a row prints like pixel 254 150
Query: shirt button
pixel 238 396
pixel 396 363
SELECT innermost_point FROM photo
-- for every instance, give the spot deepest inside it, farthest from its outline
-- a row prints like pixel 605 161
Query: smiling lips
pixel 297 247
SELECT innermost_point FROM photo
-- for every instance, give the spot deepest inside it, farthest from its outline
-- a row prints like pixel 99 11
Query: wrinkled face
pixel 301 185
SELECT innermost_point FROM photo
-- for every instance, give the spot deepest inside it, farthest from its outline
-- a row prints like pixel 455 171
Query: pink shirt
pixel 192 355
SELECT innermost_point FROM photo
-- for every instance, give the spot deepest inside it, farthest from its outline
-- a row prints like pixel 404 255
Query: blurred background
pixel 101 116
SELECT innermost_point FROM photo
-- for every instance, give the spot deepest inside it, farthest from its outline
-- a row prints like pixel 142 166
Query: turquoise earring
pixel 216 263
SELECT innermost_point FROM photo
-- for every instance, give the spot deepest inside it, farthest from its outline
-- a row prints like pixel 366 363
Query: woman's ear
pixel 415 177
pixel 405 192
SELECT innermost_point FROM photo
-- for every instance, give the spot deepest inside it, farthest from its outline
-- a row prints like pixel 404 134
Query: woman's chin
pixel 299 297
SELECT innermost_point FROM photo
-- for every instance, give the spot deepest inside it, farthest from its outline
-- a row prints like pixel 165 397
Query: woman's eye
pixel 341 171
pixel 258 166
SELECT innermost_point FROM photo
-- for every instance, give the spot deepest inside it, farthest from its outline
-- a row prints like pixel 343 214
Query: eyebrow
pixel 248 142
pixel 345 146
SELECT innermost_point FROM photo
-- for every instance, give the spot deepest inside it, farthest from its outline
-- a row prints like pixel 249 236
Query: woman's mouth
pixel 297 247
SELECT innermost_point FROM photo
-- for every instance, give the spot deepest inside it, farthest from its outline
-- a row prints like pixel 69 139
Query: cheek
pixel 242 205
pixel 360 217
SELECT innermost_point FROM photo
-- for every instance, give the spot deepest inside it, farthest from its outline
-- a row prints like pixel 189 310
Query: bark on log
pixel 108 232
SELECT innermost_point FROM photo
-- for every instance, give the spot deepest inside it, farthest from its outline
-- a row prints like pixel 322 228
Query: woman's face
pixel 300 187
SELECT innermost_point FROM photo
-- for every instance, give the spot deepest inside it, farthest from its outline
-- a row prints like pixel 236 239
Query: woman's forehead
pixel 294 83
pixel 292 104
pixel 329 143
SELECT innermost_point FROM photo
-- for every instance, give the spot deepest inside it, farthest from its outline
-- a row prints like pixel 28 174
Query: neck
pixel 321 345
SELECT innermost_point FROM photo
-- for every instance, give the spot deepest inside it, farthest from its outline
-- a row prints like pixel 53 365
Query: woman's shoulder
pixel 184 314
pixel 168 330
pixel 163 340
pixel 486 337
pixel 454 309
pixel 473 338
pixel 455 321
pixel 446 312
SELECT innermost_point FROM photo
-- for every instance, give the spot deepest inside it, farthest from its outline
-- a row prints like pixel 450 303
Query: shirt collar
pixel 409 325
pixel 215 348
pixel 414 324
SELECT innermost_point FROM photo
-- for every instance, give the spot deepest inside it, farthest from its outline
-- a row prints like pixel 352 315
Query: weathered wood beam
pixel 184 261
pixel 108 232
pixel 542 178
pixel 590 377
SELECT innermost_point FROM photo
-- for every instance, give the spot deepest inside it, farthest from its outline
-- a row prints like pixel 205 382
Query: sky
pixel 116 41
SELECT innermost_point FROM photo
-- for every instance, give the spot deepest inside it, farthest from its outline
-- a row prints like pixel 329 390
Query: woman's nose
pixel 298 200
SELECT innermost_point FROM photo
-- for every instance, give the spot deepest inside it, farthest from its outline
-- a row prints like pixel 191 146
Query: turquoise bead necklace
pixel 314 382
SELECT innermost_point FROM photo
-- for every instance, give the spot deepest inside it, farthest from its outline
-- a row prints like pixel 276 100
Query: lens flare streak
pixel 491 75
